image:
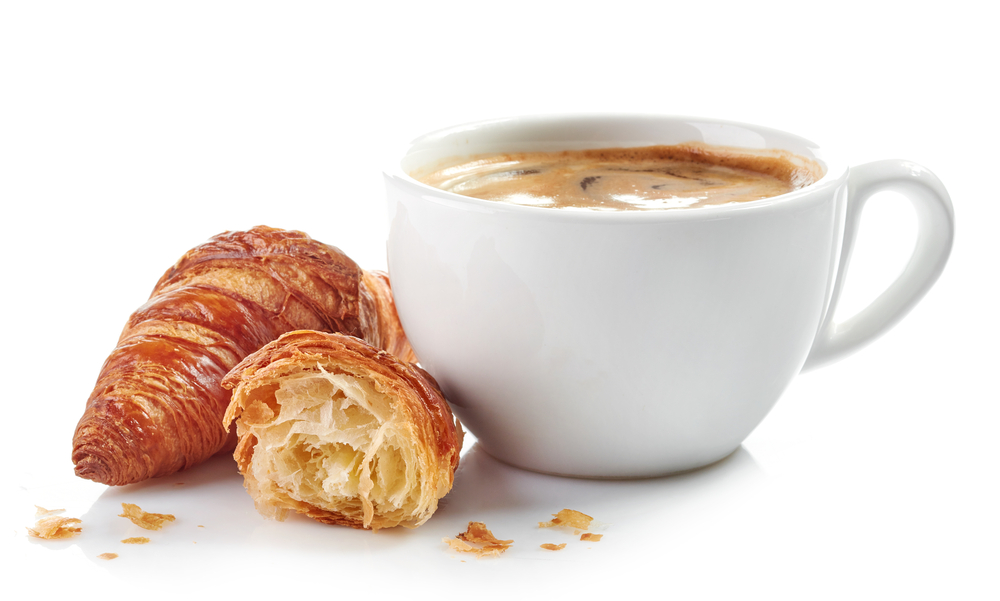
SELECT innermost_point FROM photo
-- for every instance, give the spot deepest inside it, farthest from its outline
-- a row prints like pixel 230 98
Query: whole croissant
pixel 158 403
pixel 335 429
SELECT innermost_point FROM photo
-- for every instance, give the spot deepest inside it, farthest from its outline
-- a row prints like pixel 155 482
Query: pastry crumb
pixel 553 547
pixel 41 512
pixel 478 533
pixel 55 527
pixel 569 518
pixel 108 556
pixel 479 540
pixel 135 540
pixel 142 519
pixel 591 536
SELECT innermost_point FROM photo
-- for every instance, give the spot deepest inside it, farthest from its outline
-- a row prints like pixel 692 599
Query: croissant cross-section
pixel 335 429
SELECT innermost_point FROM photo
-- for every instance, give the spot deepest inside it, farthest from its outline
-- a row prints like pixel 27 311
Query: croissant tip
pixel 91 467
pixel 98 455
pixel 92 470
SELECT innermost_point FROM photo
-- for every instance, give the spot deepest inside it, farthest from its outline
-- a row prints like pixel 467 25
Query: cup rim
pixel 834 173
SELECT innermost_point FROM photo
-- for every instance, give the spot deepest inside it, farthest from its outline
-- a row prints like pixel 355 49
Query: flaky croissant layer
pixel 335 429
pixel 158 402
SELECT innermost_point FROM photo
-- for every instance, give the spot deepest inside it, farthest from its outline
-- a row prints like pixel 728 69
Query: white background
pixel 132 131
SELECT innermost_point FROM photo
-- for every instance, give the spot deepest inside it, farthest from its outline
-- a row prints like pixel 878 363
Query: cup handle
pixel 935 233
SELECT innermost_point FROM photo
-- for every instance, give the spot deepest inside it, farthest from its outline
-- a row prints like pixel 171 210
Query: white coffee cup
pixel 635 343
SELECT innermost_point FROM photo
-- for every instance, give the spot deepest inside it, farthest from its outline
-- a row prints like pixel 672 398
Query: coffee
pixel 626 179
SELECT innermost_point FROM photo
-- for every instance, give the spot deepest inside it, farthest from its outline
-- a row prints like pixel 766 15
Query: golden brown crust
pixel 157 405
pixel 342 432
pixel 393 339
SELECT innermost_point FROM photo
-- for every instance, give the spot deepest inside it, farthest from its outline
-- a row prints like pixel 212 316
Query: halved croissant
pixel 158 403
pixel 337 430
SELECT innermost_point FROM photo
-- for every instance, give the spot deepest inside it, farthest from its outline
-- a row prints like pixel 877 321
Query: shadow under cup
pixel 611 344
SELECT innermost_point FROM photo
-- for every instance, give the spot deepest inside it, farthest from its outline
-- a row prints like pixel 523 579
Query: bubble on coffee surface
pixel 626 179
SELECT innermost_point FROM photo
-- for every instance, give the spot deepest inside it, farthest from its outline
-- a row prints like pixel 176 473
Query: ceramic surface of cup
pixel 624 344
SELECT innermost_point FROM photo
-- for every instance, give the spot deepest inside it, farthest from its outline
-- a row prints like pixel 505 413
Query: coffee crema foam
pixel 626 179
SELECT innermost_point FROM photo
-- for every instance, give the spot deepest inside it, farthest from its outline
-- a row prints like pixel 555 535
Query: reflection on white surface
pixel 217 525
